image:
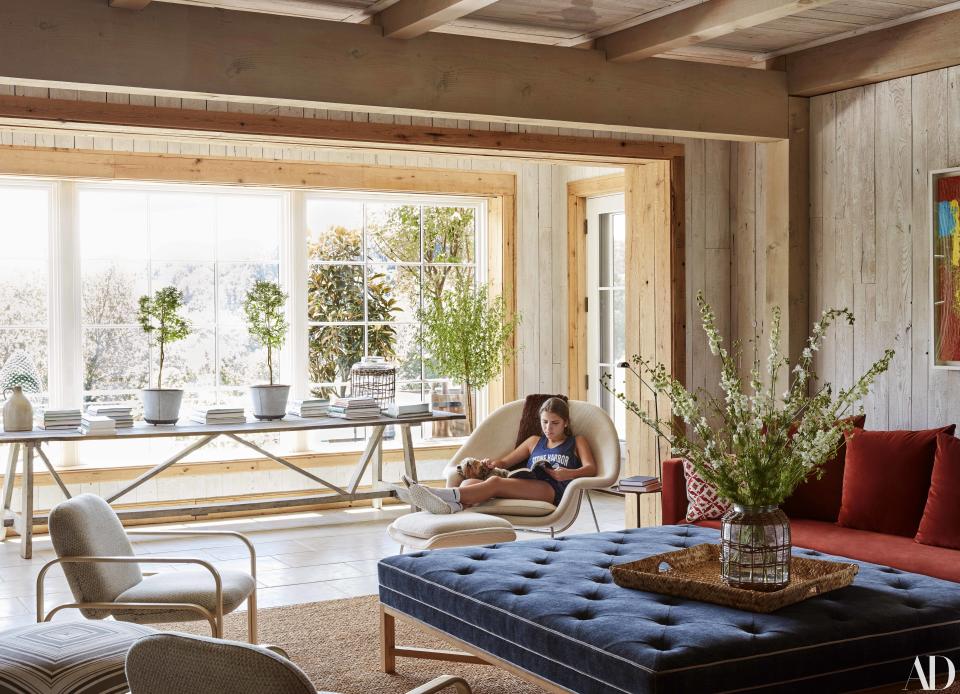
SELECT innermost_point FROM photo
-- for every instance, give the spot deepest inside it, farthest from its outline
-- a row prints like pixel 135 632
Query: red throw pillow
pixel 819 499
pixel 940 525
pixel 886 479
pixel 702 500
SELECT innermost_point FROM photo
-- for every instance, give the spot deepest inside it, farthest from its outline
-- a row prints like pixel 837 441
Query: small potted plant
pixel 263 307
pixel 159 316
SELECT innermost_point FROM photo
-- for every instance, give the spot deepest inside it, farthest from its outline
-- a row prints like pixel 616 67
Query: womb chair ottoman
pixel 164 663
pixel 105 577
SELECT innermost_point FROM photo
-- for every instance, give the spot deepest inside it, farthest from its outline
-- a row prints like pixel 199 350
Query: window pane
pixel 619 249
pixel 235 281
pixel 243 361
pixel 606 251
pixel 393 292
pixel 188 363
pixel 33 342
pixel 407 352
pixel 113 224
pixel 114 359
pixel 606 353
pixel 439 278
pixel 619 326
pixel 393 232
pixel 449 234
pixel 196 282
pixel 183 226
pixel 23 293
pixel 335 293
pixel 111 290
pixel 448 397
pixel 333 350
pixel 25 223
pixel 248 227
pixel 335 229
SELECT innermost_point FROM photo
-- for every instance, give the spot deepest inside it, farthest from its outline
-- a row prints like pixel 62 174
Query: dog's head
pixel 473 469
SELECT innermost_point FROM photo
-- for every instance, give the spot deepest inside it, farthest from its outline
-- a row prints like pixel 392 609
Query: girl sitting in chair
pixel 553 459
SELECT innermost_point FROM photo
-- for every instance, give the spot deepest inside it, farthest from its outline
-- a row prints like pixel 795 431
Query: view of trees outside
pixel 372 265
pixel 24 231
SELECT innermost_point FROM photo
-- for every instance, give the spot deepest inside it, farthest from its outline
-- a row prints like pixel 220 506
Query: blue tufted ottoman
pixel 549 610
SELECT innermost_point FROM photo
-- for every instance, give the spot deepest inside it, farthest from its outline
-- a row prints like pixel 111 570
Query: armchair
pixel 164 662
pixel 494 437
pixel 106 580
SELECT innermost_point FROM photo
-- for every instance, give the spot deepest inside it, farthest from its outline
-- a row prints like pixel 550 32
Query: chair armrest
pixel 217 580
pixel 227 533
pixel 442 682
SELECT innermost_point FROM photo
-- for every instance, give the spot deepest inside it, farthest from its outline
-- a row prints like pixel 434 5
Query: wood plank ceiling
pixel 737 32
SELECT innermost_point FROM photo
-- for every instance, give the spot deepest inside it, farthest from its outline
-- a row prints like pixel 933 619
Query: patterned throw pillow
pixel 702 500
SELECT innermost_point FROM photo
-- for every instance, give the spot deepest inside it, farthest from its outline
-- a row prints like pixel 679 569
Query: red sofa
pixel 878 548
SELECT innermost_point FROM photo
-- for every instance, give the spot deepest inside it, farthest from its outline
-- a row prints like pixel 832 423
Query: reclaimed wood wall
pixel 872 149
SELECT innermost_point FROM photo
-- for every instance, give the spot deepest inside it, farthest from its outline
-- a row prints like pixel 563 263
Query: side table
pixel 637 494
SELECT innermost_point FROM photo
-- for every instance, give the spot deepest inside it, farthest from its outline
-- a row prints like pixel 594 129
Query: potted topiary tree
pixel 159 317
pixel 467 335
pixel 263 307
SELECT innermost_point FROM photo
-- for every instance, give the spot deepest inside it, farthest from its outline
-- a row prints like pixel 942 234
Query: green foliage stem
pixel 159 316
pixel 467 335
pixel 263 306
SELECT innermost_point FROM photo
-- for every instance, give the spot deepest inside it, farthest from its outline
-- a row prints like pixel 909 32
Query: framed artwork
pixel 945 268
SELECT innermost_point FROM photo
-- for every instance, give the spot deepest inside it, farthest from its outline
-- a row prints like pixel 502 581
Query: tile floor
pixel 303 557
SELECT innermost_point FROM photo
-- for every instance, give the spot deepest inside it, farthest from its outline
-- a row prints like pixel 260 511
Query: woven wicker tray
pixel 694 573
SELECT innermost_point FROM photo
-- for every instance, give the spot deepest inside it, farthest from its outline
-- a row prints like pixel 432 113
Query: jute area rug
pixel 337 643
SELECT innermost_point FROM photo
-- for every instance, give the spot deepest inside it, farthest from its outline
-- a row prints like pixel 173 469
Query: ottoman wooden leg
pixel 388 642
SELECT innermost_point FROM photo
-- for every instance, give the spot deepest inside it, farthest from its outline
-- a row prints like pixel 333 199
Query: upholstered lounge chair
pixel 105 577
pixel 164 663
pixel 495 437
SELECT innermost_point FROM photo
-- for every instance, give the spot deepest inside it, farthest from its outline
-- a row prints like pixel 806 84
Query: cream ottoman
pixel 424 530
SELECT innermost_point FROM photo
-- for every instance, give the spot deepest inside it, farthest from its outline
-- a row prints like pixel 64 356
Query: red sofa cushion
pixel 877 548
pixel 819 499
pixel 886 479
pixel 940 525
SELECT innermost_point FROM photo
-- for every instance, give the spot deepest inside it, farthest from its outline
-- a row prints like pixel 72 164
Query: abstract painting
pixel 946 270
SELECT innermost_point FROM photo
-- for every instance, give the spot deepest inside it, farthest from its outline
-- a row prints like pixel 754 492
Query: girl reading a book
pixel 552 462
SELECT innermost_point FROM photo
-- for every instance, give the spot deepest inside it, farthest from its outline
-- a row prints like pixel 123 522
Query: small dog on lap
pixel 475 469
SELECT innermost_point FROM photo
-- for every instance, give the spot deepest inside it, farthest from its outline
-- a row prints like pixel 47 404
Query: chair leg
pixel 592 511
pixel 401 549
pixel 252 617
pixel 551 532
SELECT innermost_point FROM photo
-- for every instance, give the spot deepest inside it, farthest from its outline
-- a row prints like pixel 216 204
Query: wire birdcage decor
pixel 755 548
pixel 376 378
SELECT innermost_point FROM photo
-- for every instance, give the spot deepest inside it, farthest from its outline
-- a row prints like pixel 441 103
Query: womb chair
pixel 105 577
pixel 494 437
pixel 164 663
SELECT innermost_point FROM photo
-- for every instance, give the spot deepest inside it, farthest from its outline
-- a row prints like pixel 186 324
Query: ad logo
pixel 928 678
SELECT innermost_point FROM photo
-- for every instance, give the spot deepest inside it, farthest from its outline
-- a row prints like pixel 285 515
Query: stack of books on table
pixel 98 425
pixel 121 414
pixel 313 407
pixel 57 420
pixel 639 483
pixel 354 408
pixel 414 409
pixel 218 415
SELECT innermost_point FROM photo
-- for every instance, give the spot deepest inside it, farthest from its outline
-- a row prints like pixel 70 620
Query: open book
pixel 532 473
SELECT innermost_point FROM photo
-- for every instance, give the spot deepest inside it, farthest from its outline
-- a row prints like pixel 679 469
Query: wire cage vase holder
pixel 375 379
pixel 755 548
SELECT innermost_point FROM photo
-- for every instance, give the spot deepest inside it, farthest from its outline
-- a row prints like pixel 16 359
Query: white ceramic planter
pixel 161 405
pixel 269 402
pixel 17 411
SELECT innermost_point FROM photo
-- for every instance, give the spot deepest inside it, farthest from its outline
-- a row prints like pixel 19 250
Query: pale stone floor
pixel 303 557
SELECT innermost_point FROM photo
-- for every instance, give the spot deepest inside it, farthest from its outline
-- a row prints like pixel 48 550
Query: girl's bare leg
pixel 473 492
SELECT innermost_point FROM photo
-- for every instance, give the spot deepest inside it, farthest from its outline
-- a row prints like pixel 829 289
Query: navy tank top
pixel 564 455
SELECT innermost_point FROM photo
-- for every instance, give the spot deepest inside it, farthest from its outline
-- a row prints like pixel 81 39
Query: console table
pixel 27 446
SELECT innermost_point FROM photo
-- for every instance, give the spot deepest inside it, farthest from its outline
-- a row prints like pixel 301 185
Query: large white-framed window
pixel 107 243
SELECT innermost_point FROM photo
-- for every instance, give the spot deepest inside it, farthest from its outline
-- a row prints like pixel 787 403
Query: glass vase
pixel 755 548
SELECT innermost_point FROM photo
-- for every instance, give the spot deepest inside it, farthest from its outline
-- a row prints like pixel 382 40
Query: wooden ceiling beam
pixel 99 116
pixel 697 24
pixel 129 4
pixel 907 49
pixel 271 59
pixel 408 19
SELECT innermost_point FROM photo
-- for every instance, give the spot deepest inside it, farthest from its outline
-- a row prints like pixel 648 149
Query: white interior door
pixel 606 307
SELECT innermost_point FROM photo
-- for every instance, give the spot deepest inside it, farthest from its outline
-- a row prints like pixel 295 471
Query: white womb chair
pixel 495 437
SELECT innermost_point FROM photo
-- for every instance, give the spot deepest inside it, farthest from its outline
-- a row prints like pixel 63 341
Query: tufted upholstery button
pixel 465 571
pixel 665 621
pixel 583 615
pixel 522 590
pixel 531 574
pixel 542 561
pixel 479 557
